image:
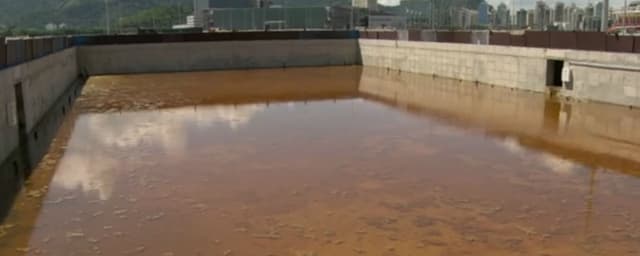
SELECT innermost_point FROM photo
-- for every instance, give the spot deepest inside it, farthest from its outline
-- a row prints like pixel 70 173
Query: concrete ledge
pixel 180 57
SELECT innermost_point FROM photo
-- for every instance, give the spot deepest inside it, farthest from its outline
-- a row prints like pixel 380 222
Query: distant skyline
pixel 528 3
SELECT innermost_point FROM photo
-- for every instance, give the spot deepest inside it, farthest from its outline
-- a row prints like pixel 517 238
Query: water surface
pixel 330 161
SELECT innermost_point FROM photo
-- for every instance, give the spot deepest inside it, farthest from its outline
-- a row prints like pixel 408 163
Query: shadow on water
pixel 20 164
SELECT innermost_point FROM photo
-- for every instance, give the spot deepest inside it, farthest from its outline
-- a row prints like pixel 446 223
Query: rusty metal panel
pixel 415 35
pixel 58 44
pixel 226 36
pixel 388 35
pixel 253 36
pixel 194 37
pixel 37 48
pixel 29 54
pixel 591 41
pixel 367 35
pixel 15 52
pixel 444 36
pixel 3 53
pixel 562 40
pixel 537 39
pixel 499 38
pixel 68 42
pixel 620 43
pixel 172 38
pixel 462 37
pixel 47 44
pixel 518 40
pixel 329 34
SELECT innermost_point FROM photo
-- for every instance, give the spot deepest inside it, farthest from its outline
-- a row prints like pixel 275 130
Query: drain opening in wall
pixel 554 73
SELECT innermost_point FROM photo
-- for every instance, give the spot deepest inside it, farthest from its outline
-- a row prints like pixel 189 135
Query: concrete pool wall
pixel 599 76
pixel 195 56
pixel 50 82
pixel 42 82
pixel 27 125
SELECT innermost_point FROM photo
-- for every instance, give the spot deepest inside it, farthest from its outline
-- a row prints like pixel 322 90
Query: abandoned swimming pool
pixel 329 161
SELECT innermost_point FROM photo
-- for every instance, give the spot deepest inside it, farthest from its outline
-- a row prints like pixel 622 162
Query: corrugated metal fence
pixel 589 41
pixel 17 51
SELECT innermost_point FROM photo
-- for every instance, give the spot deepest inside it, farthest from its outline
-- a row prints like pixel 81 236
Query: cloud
pixel 101 145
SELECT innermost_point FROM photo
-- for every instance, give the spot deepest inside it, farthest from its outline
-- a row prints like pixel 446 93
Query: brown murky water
pixel 330 161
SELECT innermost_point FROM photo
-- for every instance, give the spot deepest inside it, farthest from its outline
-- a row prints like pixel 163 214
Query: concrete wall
pixel 514 67
pixel 8 120
pixel 173 57
pixel 598 76
pixel 43 80
pixel 604 76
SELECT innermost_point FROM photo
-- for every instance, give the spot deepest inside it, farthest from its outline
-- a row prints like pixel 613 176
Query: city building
pixel 441 13
pixel 598 9
pixel 573 16
pixel 521 18
pixel 548 18
pixel 502 16
pixel 419 12
pixel 200 8
pixel 387 22
pixel 366 4
pixel 591 20
pixel 531 18
pixel 230 19
pixel 464 18
pixel 559 12
pixel 541 16
pixel 189 24
pixel 483 13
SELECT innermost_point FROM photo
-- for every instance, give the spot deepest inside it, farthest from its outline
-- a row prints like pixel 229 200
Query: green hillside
pixel 76 13
pixel 83 15
pixel 91 13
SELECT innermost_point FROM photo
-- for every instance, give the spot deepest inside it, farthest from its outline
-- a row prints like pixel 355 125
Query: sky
pixel 528 3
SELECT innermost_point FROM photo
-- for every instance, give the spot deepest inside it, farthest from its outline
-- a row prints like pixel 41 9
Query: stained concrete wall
pixel 43 81
pixel 604 76
pixel 175 57
pixel 8 119
pixel 598 76
pixel 514 67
